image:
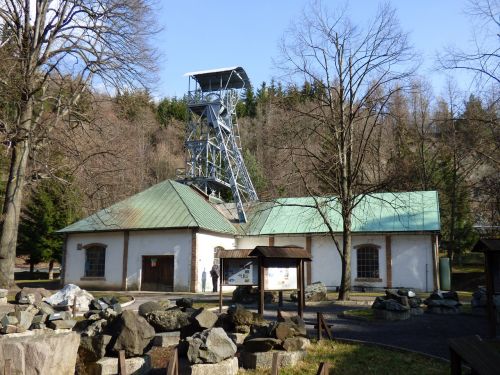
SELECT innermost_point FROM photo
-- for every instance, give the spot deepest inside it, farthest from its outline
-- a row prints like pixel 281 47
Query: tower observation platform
pixel 214 162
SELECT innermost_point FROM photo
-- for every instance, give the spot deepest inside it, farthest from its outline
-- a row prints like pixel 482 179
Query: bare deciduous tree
pixel 355 72
pixel 57 51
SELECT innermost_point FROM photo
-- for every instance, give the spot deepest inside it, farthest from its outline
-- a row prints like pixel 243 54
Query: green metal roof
pixel 168 204
pixel 380 212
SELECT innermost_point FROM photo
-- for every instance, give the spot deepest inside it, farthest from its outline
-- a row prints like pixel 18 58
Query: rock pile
pixel 399 305
pixel 64 299
pixel 247 295
pixel 314 292
pixel 441 302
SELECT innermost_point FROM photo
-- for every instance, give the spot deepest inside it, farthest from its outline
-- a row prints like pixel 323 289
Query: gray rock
pixel 316 292
pixel 108 313
pixel 210 346
pixel 9 328
pixel 45 308
pixel 93 348
pixel 97 304
pixel 239 316
pixel 24 320
pixel 442 303
pixel 264 360
pixel 293 344
pixel 9 320
pixel 41 352
pixel 95 328
pixel 393 305
pixel 169 320
pixel 238 338
pixel 62 324
pixel 32 295
pixel 40 318
pixel 38 326
pixel 148 307
pixel 261 344
pixel 184 302
pixel 205 318
pixel 59 316
pixel 131 333
pixel 391 315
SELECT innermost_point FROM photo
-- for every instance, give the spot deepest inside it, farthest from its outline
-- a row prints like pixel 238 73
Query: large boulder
pixel 93 348
pixel 131 333
pixel 40 352
pixel 293 344
pixel 150 306
pixel 31 295
pixel 169 320
pixel 204 318
pixel 314 292
pixel 66 297
pixel 210 346
pixel 246 295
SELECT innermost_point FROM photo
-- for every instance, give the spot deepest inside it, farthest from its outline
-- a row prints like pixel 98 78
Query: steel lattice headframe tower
pixel 214 161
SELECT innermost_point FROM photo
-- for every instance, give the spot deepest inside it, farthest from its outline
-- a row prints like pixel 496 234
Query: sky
pixel 201 35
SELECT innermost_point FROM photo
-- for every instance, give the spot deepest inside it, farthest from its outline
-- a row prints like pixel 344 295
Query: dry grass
pixel 353 359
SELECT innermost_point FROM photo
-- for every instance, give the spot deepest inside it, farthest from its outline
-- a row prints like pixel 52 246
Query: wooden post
pixel 303 286
pixel 221 273
pixel 7 369
pixel 322 325
pixel 122 368
pixel 318 324
pixel 300 288
pixel 275 363
pixel 280 298
pixel 323 369
pixel 455 363
pixel 309 264
pixel 490 285
pixel 261 286
pixel 173 364
pixel 74 307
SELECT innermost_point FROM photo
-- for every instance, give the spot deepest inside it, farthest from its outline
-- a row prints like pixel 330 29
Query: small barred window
pixel 368 267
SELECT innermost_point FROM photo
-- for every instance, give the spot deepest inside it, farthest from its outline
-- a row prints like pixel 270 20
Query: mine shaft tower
pixel 214 162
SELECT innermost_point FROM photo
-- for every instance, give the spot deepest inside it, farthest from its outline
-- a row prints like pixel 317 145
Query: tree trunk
pixel 51 269
pixel 345 284
pixel 32 267
pixel 12 203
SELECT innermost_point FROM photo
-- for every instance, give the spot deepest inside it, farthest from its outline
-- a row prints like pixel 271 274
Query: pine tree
pixel 50 208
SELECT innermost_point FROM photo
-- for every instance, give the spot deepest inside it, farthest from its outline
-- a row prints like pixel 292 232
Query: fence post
pixel 122 368
pixel 323 369
pixel 275 364
pixel 173 364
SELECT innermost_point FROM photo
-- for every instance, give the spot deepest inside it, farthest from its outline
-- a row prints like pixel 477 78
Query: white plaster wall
pixel 290 240
pixel 75 259
pixel 251 241
pixel 326 266
pixel 161 242
pixel 205 245
pixel 411 258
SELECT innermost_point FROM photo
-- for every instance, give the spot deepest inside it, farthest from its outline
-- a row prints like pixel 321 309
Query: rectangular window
pixel 368 262
pixel 95 262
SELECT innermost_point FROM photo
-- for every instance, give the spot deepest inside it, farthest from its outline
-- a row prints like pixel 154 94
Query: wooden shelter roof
pixel 487 245
pixel 291 252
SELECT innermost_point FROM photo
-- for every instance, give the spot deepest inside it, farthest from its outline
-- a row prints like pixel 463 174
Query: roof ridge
pixel 183 202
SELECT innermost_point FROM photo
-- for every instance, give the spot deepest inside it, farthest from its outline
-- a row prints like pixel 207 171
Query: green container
pixel 444 273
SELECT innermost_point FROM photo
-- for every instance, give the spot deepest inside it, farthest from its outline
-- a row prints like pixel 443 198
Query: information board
pixel 241 271
pixel 280 274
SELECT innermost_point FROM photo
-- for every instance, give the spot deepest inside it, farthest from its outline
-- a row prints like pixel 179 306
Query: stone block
pixel 165 339
pixel 9 328
pixel 265 359
pixel 62 324
pixel 226 367
pixel 109 366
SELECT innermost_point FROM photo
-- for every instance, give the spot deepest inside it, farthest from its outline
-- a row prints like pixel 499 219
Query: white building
pixel 164 239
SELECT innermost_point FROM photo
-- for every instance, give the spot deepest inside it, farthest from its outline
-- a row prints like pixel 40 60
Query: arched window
pixel 95 260
pixel 367 259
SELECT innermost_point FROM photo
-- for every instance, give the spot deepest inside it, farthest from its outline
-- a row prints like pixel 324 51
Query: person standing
pixel 214 273
pixel 203 280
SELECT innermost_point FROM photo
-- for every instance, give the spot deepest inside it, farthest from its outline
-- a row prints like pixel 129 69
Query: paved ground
pixel 425 333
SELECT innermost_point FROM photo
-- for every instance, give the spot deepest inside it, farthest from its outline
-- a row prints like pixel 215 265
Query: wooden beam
pixel 261 287
pixel 309 264
pixel 64 259
pixel 275 364
pixel 435 260
pixel 388 260
pixel 194 262
pixel 221 272
pixel 125 259
pixel 122 368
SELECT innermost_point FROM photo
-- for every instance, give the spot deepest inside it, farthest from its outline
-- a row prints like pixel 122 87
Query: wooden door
pixel 158 273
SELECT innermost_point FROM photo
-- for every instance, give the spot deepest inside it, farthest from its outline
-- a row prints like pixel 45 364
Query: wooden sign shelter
pixel 491 249
pixel 278 266
pixel 271 268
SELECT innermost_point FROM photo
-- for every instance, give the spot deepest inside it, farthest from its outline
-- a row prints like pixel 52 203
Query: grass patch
pixel 366 314
pixel 360 359
pixel 206 305
pixel 468 268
